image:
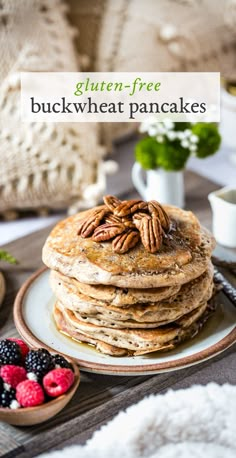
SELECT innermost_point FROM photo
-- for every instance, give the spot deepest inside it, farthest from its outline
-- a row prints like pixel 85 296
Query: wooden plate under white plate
pixel 34 321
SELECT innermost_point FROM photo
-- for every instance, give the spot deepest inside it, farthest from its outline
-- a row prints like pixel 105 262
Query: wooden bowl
pixel 2 287
pixel 27 416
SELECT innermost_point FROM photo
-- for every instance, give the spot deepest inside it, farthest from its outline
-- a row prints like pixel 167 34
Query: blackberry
pixel 60 361
pixel 10 353
pixel 7 397
pixel 1 385
pixel 40 362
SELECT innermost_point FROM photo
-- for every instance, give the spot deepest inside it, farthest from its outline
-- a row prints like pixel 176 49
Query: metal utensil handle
pixel 229 265
pixel 228 289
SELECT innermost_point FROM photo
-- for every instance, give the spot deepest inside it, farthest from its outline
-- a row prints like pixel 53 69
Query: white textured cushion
pixel 196 422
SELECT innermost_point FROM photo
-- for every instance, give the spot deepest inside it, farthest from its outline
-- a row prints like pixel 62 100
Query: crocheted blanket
pixel 196 422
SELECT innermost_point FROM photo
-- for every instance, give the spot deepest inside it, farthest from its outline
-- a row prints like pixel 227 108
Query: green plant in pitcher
pixel 169 144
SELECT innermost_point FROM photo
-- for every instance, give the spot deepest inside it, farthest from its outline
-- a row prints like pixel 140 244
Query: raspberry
pixel 39 361
pixel 7 396
pixel 10 353
pixel 58 381
pixel 24 348
pixel 60 361
pixel 13 374
pixel 29 393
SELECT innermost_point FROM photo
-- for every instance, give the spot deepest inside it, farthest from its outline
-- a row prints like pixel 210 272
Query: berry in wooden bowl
pixel 34 384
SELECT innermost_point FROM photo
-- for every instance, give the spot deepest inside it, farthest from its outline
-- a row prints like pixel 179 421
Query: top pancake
pixel 182 257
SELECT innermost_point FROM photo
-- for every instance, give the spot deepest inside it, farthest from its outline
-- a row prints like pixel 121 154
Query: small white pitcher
pixel 165 187
pixel 223 204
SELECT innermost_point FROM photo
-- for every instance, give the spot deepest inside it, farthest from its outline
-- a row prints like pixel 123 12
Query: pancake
pixel 139 315
pixel 99 319
pixel 183 256
pixel 131 342
pixel 113 295
pixel 102 347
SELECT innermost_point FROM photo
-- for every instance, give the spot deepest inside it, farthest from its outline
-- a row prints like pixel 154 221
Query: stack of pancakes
pixel 136 302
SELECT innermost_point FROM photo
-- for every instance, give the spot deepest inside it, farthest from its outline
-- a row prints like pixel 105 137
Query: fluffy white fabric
pixel 196 422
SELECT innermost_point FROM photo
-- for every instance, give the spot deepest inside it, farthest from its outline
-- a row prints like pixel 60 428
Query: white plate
pixel 34 321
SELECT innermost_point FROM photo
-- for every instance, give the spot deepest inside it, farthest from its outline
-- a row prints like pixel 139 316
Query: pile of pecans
pixel 125 223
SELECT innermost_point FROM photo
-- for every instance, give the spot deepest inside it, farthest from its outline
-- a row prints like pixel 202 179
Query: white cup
pixel 223 204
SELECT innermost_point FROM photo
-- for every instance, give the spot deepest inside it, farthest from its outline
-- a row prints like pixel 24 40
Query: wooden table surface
pixel 100 397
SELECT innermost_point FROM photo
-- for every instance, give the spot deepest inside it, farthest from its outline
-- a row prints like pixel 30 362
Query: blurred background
pixel 48 169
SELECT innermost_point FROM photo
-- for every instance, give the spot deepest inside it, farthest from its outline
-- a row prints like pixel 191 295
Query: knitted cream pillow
pixel 43 164
pixel 151 35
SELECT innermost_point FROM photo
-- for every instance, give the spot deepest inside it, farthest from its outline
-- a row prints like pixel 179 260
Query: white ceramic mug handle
pixel 138 180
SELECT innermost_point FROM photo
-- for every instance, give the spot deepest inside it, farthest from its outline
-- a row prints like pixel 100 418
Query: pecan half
pixel 128 222
pixel 156 209
pixel 137 217
pixel 87 225
pixel 110 218
pixel 128 207
pixel 107 231
pixel 124 242
pixel 151 234
pixel 111 202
